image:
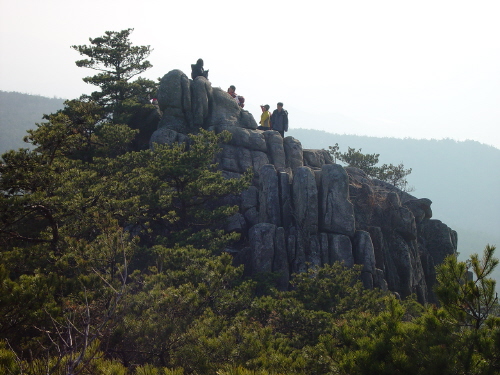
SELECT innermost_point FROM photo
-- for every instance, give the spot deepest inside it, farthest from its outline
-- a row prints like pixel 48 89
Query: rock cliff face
pixel 302 209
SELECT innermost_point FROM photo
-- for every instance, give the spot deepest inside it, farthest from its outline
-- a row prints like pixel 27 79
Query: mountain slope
pixel 20 112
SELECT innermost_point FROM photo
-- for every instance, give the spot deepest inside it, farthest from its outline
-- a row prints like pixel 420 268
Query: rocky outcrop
pixel 188 105
pixel 303 210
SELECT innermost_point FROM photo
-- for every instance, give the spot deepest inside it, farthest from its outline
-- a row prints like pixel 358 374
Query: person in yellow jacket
pixel 265 118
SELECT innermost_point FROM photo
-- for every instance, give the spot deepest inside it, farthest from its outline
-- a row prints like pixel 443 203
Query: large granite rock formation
pixel 303 210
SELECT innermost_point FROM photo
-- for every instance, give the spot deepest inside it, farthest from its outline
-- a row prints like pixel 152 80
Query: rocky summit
pixel 303 210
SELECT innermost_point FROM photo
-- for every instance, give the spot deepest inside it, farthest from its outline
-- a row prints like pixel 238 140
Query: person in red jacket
pixel 238 98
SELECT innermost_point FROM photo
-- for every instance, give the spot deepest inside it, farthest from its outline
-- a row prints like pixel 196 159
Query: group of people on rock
pixel 278 120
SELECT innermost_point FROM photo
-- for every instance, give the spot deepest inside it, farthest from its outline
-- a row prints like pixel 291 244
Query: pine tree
pixel 118 62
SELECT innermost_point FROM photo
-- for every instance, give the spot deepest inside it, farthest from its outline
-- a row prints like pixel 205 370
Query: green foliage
pixel 91 363
pixel 470 306
pixel 77 132
pixel 243 371
pixel 393 174
pixel 118 61
pixel 465 289
pixel 64 219
pixel 171 190
pixel 335 289
pixel 120 100
pixel 453 339
pixel 182 317
pixel 355 158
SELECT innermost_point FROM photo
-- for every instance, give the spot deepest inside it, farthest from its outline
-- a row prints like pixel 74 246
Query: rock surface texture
pixel 303 210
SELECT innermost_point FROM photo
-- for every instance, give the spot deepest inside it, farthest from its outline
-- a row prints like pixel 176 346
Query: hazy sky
pixel 420 69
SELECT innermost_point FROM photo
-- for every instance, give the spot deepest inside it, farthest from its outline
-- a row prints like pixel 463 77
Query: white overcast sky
pixel 418 69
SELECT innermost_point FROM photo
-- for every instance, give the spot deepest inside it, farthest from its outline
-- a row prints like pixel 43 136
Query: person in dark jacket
pixel 197 70
pixel 279 120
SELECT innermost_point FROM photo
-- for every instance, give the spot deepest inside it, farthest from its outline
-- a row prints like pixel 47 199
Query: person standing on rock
pixel 279 120
pixel 265 118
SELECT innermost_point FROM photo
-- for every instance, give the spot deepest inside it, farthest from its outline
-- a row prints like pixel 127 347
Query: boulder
pixel 201 91
pixel 336 211
pixel 340 249
pixel 235 159
pixel 313 251
pixel 364 254
pixel 275 149
pixel 249 198
pixel 235 223
pixel 280 262
pixel 291 245
pixel 259 159
pixel 378 246
pixel 225 110
pixel 245 160
pixel 174 100
pixel 403 271
pixel 261 240
pixel 439 240
pixel 379 280
pixel 324 249
pixel 404 223
pixel 363 251
pixel 269 196
pixel 173 122
pixel 247 138
pixel 246 120
pixel 305 200
pixel 167 136
pixel 285 194
pixel 317 158
pixel 252 217
pixel 256 140
pixel 228 159
pixel 294 157
pixel 421 208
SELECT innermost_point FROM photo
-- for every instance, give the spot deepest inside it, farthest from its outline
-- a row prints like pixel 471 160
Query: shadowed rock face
pixel 303 210
pixel 336 211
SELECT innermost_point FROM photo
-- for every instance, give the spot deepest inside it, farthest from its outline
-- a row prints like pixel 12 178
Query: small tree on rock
pixel 393 174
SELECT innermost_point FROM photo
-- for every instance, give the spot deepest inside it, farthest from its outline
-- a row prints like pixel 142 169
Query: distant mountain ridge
pixel 20 112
